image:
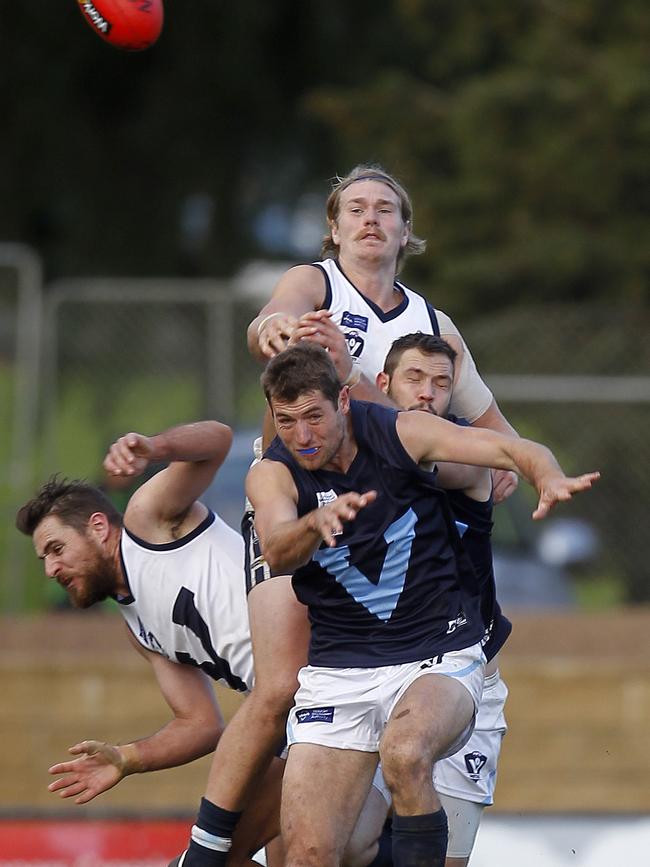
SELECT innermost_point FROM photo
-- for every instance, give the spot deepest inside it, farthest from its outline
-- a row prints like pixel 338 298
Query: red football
pixel 131 25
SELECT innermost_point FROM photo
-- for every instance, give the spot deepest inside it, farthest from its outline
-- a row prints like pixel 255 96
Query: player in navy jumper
pixel 395 663
pixel 370 234
pixel 418 374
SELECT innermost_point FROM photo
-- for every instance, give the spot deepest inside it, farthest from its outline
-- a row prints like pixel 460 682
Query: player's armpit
pixel 475 482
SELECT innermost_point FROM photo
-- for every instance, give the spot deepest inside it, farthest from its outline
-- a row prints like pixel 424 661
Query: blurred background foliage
pixel 521 128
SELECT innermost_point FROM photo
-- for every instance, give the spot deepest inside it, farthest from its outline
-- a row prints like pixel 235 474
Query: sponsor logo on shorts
pixel 315 714
pixel 475 762
pixel 353 320
pixel 435 660
pixel 96 18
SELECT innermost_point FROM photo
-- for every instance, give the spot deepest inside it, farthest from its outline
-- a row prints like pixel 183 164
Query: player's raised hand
pixel 560 489
pixel 274 333
pixel 319 327
pixel 100 767
pixel 329 519
pixel 129 455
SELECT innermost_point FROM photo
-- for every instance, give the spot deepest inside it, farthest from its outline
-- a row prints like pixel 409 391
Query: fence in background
pixel 112 355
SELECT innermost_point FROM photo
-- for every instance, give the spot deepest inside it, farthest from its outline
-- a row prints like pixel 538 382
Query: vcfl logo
pixel 475 762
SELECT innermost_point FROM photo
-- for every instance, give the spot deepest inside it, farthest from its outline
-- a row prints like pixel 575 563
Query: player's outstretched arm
pixel 288 541
pixel 299 290
pixel 193 732
pixel 428 438
pixel 194 453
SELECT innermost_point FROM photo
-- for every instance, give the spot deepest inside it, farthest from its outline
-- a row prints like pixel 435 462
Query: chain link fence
pixel 578 379
pixel 121 355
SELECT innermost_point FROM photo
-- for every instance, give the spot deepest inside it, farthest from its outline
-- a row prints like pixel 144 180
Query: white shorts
pixel 348 708
pixel 470 774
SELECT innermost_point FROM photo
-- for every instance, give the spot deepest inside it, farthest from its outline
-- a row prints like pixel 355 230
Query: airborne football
pixel 130 25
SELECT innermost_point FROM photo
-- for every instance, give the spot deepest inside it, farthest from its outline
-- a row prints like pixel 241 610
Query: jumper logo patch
pixel 462 528
pixel 355 343
pixel 475 762
pixel 353 320
pixel 453 625
pixel 325 497
pixel 381 598
pixel 315 714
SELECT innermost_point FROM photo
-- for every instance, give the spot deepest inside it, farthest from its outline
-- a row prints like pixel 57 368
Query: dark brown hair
pixel 300 369
pixel 73 502
pixel 429 344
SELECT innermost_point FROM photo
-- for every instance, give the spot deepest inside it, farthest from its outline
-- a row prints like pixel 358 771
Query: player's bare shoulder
pixel 305 284
pixel 267 480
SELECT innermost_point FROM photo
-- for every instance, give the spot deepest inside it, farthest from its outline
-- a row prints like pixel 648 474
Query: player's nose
pixel 302 433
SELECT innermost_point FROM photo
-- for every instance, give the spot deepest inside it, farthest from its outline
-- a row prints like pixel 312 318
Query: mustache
pixel 424 408
pixel 360 235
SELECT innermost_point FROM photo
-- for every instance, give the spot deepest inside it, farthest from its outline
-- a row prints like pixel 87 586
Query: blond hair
pixel 370 172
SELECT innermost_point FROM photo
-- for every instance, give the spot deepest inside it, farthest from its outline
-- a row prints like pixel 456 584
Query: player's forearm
pixel 201 441
pixel 177 743
pixel 535 462
pixel 290 545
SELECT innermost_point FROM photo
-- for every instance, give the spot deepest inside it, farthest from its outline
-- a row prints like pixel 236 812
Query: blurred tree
pixel 522 128
pixel 523 131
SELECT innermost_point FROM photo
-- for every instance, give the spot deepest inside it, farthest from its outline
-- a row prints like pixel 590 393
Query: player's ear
pixel 334 231
pixel 99 526
pixel 383 381
pixel 344 399
pixel 406 234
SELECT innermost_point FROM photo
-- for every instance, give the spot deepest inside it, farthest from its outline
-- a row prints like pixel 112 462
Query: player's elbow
pixel 276 562
pixel 282 561
pixel 211 730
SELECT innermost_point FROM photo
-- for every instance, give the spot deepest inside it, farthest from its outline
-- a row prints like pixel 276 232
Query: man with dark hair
pixel 175 570
pixel 418 375
pixel 395 665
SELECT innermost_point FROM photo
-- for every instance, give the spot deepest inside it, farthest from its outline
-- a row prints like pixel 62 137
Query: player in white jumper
pixel 370 233
pixel 176 571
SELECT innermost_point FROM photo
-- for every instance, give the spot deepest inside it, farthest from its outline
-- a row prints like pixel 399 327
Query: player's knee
pixel 276 691
pixel 405 761
pixel 301 855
